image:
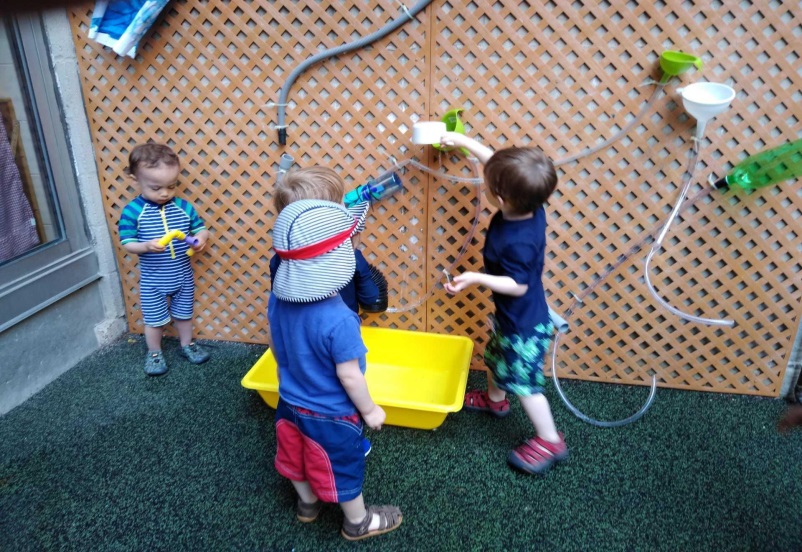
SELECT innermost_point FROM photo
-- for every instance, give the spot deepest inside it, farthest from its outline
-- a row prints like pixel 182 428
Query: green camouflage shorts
pixel 516 362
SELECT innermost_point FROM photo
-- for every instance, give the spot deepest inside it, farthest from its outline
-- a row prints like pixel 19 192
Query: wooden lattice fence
pixel 560 75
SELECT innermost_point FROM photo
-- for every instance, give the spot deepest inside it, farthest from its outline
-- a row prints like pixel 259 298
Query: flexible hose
pixel 584 417
pixel 618 135
pixel 468 237
pixel 660 231
pixel 578 300
pixel 409 15
pixel 657 245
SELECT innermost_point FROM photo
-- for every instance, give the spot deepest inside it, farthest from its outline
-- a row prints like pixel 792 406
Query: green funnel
pixel 675 63
pixel 453 124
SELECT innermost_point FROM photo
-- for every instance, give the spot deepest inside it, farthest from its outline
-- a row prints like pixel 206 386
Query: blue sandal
pixel 154 364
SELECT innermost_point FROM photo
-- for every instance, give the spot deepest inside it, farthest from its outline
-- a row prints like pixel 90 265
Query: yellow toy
pixel 179 235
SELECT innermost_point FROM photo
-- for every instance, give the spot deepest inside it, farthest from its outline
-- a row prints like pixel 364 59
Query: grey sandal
pixel 195 353
pixel 307 512
pixel 389 519
pixel 154 364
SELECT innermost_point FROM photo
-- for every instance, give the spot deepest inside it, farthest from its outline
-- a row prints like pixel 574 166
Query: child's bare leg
pixel 304 491
pixel 354 509
pixel 153 338
pixel 355 512
pixel 494 393
pixel 539 412
pixel 184 328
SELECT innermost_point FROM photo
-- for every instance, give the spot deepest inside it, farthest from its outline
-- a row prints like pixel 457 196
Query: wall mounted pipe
pixel 284 164
pixel 408 15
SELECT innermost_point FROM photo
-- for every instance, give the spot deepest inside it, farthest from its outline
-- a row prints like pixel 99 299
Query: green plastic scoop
pixel 675 63
pixel 453 124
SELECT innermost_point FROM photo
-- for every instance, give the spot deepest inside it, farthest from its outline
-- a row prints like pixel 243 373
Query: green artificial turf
pixel 105 458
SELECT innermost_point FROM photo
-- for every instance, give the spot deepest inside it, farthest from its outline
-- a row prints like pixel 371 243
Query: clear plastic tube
pixel 618 135
pixel 578 301
pixel 584 417
pixel 657 245
pixel 446 271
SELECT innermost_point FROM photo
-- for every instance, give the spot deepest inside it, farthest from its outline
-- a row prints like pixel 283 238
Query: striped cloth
pixel 165 274
pixel 305 223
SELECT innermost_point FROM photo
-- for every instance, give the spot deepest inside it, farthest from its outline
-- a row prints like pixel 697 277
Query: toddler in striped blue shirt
pixel 166 284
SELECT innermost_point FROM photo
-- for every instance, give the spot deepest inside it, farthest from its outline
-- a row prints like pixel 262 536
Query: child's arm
pixel 196 227
pixel 499 284
pixel 137 248
pixel 357 389
pixel 367 292
pixel 482 153
pixel 128 228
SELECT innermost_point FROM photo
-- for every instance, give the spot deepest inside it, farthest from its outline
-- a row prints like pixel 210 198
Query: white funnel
pixel 705 100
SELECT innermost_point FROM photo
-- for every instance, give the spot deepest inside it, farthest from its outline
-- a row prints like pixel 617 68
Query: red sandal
pixel 479 401
pixel 537 455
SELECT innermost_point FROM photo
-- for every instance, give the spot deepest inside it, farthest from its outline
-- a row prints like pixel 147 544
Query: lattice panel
pixel 561 75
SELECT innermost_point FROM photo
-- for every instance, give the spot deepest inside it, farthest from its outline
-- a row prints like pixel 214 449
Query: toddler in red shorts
pixel 316 340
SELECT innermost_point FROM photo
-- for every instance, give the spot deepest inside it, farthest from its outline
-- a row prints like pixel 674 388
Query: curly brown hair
pixel 151 155
pixel 523 177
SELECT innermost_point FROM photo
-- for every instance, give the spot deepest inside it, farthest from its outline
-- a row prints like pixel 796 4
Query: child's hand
pixel 153 246
pixel 202 238
pixel 451 139
pixel 375 418
pixel 201 244
pixel 458 283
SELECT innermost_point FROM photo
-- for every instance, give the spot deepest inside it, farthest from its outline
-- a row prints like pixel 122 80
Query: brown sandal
pixel 389 518
pixel 307 512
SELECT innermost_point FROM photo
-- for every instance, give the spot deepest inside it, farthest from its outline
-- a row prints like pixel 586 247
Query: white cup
pixel 428 132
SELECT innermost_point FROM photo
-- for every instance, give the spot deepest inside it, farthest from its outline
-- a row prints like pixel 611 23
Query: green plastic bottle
pixel 765 168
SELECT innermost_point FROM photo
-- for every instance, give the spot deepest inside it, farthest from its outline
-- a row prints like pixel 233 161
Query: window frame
pixel 51 271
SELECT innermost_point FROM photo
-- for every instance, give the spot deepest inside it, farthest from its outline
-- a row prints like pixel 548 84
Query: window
pixel 26 195
pixel 44 250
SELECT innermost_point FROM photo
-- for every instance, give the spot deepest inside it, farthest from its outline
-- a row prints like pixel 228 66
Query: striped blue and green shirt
pixel 143 221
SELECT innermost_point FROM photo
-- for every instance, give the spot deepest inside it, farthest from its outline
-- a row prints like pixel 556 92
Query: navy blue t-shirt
pixel 359 291
pixel 517 248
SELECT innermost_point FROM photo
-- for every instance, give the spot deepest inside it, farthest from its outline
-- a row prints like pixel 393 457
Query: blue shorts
pixel 324 450
pixel 153 294
pixel 516 361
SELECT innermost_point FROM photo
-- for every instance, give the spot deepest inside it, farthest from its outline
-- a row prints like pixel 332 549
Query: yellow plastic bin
pixel 416 377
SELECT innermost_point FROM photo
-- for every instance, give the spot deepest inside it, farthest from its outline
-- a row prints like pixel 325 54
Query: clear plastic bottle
pixel 375 190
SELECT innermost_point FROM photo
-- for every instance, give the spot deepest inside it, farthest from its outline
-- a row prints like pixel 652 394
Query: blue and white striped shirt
pixel 143 221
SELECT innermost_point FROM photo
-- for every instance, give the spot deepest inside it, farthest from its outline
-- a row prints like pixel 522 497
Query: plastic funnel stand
pixel 705 100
